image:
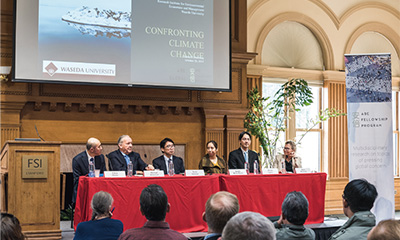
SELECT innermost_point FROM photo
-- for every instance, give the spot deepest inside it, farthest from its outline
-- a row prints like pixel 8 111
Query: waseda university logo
pixel 51 69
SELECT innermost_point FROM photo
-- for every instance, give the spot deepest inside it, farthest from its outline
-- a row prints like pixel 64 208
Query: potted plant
pixel 267 117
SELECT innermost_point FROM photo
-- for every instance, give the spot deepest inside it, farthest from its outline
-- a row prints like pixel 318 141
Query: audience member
pixel 101 227
pixel 167 147
pixel 294 214
pixel 10 228
pixel 358 199
pixel 154 206
pixel 220 207
pixel 385 230
pixel 242 155
pixel 211 162
pixel 80 163
pixel 288 161
pixel 119 159
pixel 249 225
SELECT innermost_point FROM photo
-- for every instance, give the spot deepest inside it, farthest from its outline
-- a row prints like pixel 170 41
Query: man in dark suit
pixel 80 163
pixel 238 157
pixel 119 159
pixel 167 147
pixel 220 207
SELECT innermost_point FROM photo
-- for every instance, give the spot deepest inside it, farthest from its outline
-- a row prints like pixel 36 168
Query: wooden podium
pixel 30 186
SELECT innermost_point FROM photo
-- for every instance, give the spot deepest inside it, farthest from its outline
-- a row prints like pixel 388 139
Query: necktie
pixel 127 159
pixel 92 160
pixel 246 158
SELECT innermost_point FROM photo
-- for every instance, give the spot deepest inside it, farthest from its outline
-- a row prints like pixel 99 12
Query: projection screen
pixel 150 43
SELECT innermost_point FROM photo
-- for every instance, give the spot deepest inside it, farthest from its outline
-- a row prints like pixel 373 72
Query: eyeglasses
pixel 169 146
pixel 286 148
pixel 344 197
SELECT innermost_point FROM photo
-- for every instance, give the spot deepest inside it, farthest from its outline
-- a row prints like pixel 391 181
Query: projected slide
pixel 181 36
pixel 162 43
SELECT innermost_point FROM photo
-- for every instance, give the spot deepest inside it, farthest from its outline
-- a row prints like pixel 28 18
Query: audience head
pixel 249 225
pixel 167 146
pixel 220 207
pixel 295 208
pixel 154 203
pixel 385 230
pixel 101 205
pixel 245 140
pixel 93 146
pixel 10 228
pixel 125 144
pixel 359 195
pixel 212 148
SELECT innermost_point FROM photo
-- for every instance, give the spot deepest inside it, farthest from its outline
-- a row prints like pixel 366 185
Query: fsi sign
pixel 34 166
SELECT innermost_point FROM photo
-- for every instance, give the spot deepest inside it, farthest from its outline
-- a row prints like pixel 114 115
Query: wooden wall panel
pixel 338 163
pixel 9 132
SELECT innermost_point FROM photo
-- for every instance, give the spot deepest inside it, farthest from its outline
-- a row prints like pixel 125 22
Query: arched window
pixel 292 45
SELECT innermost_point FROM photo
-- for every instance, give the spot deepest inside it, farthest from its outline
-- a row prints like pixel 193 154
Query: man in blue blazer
pixel 80 163
pixel 118 160
pixel 237 157
pixel 167 147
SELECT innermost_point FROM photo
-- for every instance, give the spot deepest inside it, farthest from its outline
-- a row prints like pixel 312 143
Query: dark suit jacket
pixel 80 167
pixel 236 160
pixel 159 163
pixel 117 162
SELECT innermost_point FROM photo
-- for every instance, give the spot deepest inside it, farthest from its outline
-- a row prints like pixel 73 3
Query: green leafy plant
pixel 267 117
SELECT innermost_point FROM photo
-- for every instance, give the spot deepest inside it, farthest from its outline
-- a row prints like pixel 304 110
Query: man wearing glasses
pixel 163 162
pixel 358 198
pixel 120 158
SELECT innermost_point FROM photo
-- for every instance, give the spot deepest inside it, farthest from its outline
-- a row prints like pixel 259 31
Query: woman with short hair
pixel 288 161
pixel 101 226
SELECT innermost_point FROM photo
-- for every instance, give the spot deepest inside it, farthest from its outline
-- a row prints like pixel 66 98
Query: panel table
pixel 188 195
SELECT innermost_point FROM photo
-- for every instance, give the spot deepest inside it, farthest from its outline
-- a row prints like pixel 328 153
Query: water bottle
pixel 283 167
pixel 256 167
pixel 130 169
pixel 246 166
pixel 91 169
pixel 171 170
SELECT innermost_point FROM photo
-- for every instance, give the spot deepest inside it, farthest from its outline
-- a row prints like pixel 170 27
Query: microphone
pixel 37 132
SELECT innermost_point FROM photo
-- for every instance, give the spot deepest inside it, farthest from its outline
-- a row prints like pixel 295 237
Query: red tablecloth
pixel 188 195
pixel 265 193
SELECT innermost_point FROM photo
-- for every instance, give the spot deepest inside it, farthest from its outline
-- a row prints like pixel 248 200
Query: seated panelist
pixel 80 163
pixel 167 147
pixel 211 162
pixel 288 158
pixel 119 159
pixel 242 155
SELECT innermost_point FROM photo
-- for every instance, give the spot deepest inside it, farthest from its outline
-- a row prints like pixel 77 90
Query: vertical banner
pixel 369 109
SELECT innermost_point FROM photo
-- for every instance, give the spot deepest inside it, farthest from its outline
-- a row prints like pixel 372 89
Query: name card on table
pixel 270 171
pixel 194 173
pixel 114 173
pixel 237 172
pixel 157 173
pixel 303 170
